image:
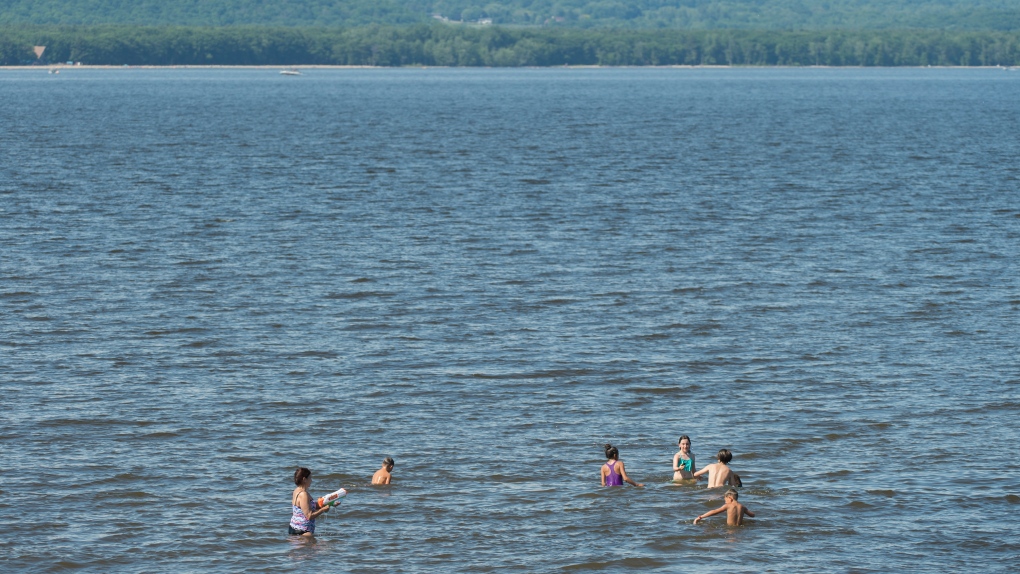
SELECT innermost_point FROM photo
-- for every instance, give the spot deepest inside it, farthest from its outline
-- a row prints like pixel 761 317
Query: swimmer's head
pixel 388 462
pixel 301 474
pixel 612 453
pixel 683 438
pixel 731 493
pixel 724 456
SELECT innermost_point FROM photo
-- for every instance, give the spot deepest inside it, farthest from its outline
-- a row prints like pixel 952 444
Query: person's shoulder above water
pixel 613 472
pixel 735 511
pixel 719 474
pixel 683 461
pixel 383 475
pixel 305 511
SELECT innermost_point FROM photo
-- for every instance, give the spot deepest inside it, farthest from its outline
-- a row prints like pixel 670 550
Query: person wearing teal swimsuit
pixel 683 461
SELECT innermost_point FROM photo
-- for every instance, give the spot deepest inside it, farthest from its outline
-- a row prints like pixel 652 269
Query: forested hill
pixel 636 14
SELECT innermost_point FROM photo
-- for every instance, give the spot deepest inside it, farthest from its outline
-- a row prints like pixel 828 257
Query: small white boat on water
pixel 290 72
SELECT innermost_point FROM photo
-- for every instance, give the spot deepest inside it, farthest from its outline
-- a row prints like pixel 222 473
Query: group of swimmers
pixel 305 509
pixel 612 473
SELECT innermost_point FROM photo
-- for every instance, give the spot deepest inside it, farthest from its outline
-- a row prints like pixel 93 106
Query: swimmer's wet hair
pixel 301 474
pixel 388 461
pixel 611 452
pixel 732 492
pixel 724 456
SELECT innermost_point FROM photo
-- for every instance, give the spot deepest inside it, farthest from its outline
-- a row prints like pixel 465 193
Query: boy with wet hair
pixel 382 476
pixel 718 473
pixel 734 510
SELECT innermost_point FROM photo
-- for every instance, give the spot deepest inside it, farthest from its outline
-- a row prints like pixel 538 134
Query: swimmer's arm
pixel 306 509
pixel 748 512
pixel 602 474
pixel 623 474
pixel 710 513
pixel 702 471
pixel 385 480
pixel 676 462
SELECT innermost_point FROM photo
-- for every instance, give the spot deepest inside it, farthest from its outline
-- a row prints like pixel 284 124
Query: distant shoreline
pixel 489 46
pixel 47 67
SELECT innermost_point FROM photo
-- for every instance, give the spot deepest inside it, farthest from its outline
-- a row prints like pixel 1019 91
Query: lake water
pixel 210 277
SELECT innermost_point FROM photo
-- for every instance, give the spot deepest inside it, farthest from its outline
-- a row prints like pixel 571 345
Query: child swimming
pixel 734 510
pixel 683 461
pixel 613 473
pixel 718 473
pixel 382 476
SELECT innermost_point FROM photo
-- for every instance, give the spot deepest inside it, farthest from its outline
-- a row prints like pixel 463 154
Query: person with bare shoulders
pixel 302 521
pixel 718 473
pixel 734 510
pixel 683 461
pixel 382 476
pixel 613 473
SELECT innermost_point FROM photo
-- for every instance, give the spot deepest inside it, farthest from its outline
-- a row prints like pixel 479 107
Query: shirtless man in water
pixel 718 473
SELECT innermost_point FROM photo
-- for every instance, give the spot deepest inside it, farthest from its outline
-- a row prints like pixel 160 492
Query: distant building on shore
pixel 479 22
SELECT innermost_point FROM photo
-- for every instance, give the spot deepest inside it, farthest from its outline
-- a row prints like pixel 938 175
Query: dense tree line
pixel 674 14
pixel 440 45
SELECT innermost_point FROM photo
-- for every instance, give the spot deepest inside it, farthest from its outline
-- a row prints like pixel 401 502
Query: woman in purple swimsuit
pixel 613 473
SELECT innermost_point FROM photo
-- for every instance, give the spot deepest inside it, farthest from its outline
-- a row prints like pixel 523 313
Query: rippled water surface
pixel 209 277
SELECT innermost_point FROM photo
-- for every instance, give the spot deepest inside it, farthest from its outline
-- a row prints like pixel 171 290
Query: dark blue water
pixel 209 277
